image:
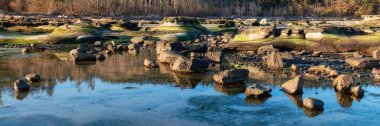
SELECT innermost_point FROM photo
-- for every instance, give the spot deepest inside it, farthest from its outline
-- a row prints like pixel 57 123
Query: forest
pixel 201 8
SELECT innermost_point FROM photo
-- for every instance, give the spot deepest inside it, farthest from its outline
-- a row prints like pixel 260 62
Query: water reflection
pixel 252 100
pixel 186 81
pixel 296 99
pixel 312 113
pixel 230 89
pixel 107 87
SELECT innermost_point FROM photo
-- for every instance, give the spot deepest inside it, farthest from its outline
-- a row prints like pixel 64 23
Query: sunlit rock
pixel 33 77
pixel 313 104
pixel 257 90
pixel 343 83
pixel 293 86
pixel 231 76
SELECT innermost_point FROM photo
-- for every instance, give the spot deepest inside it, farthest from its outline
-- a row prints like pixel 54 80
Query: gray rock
pixel 231 76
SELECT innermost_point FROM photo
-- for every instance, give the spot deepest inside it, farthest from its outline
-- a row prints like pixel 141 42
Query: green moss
pixel 30 30
pixel 298 41
pixel 18 41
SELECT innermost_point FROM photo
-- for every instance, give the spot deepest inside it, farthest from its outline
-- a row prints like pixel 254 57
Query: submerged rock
pixel 313 104
pixel 293 86
pixel 257 90
pixel 20 86
pixel 343 83
pixel 151 63
pixel 33 77
pixel 231 76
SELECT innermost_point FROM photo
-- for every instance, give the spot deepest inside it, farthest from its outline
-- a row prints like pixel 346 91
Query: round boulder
pixel 313 104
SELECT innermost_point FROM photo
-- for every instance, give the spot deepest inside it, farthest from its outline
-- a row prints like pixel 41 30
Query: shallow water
pixel 120 91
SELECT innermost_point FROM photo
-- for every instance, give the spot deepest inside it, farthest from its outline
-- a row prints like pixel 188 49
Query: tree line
pixel 192 7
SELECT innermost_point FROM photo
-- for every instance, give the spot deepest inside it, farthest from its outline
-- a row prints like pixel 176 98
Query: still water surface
pixel 120 91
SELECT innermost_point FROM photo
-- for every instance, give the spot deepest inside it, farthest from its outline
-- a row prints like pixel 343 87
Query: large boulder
pixel 264 50
pixel 20 86
pixel 185 65
pixel 257 90
pixel 274 61
pixel 33 77
pixel 363 62
pixel 231 76
pixel 293 86
pixel 168 56
pixel 343 83
pixel 150 63
pixel 313 104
